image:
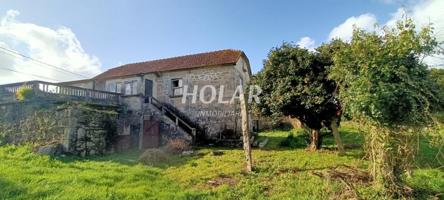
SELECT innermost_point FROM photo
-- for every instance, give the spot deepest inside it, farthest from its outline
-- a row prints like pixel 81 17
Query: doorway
pixel 148 89
pixel 151 134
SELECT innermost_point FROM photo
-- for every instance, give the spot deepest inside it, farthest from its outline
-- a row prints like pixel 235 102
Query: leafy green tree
pixel 437 85
pixel 383 86
pixel 294 83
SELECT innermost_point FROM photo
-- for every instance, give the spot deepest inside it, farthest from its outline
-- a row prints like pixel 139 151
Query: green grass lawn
pixel 280 173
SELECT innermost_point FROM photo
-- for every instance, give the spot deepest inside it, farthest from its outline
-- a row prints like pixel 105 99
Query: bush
pixel 153 157
pixel 24 93
pixel 178 146
pixel 5 132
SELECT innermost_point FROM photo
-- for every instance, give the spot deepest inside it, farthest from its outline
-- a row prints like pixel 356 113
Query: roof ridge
pixel 209 58
pixel 174 57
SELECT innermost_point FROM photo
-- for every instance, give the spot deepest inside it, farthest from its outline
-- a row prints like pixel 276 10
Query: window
pixel 109 87
pixel 134 87
pixel 130 87
pixel 114 87
pixel 119 87
pixel 176 87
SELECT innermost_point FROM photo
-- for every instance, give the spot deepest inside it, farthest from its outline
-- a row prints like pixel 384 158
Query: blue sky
pixel 120 32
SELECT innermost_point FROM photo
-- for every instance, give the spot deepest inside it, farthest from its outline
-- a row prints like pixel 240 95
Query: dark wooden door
pixel 148 88
pixel 151 134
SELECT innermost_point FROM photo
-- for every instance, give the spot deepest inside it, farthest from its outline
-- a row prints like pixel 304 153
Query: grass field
pixel 280 173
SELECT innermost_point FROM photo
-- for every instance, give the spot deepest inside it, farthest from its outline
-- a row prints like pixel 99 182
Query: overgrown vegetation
pixel 96 128
pixel 92 129
pixel 38 128
pixel 153 157
pixel 437 87
pixel 384 87
pixel 281 173
pixel 177 146
pixel 24 93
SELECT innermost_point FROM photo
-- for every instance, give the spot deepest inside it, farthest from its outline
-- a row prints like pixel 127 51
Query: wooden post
pixel 141 131
pixel 246 131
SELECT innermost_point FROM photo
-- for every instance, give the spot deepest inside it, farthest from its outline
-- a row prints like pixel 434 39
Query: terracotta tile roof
pixel 175 63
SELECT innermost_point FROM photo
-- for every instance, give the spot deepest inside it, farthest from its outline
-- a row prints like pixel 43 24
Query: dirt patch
pixel 346 146
pixel 345 173
pixel 349 176
pixel 352 146
pixel 293 170
pixel 222 180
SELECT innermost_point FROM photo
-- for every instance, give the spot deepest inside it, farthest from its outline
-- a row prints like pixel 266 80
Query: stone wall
pixel 168 128
pixel 129 124
pixel 89 130
pixel 23 122
pixel 81 129
pixel 217 120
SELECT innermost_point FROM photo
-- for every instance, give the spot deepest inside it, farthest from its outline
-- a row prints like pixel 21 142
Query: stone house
pixel 194 97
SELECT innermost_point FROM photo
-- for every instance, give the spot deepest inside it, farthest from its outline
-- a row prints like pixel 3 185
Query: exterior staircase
pixel 45 91
pixel 174 115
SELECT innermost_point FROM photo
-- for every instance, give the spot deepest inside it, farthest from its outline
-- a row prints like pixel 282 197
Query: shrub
pixel 24 93
pixel 153 157
pixel 177 146
pixel 6 131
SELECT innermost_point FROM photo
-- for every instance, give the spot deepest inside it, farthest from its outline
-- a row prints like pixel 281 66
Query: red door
pixel 151 134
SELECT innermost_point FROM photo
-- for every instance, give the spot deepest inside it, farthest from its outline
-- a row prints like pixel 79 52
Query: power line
pixel 9 51
pixel 34 75
pixel 435 56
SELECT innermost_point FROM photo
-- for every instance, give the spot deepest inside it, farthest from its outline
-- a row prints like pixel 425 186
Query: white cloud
pixel 389 1
pixel 432 12
pixel 307 42
pixel 345 30
pixel 423 12
pixel 59 47
pixel 396 16
pixel 401 2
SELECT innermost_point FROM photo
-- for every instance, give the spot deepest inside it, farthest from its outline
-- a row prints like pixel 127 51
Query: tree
pixel 294 82
pixel 437 86
pixel 383 86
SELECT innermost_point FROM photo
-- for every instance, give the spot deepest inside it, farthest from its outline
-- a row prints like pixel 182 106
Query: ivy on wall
pixel 89 129
pixel 24 124
pixel 95 128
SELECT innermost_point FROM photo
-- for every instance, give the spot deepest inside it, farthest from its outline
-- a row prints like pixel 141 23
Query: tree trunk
pixel 334 129
pixel 315 142
pixel 246 132
pixel 386 166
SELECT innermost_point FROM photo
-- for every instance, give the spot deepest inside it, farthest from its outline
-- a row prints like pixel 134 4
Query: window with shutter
pixel 176 87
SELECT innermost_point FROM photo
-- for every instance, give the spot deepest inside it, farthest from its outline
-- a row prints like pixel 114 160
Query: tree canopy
pixel 295 83
pixel 385 86
pixel 382 76
pixel 437 85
